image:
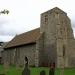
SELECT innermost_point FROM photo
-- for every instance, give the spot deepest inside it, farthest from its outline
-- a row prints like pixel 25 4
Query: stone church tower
pixel 53 42
pixel 56 42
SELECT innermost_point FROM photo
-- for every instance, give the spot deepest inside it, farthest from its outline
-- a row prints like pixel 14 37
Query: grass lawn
pixel 34 71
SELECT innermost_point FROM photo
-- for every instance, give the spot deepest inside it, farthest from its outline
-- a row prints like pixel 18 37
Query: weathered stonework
pixel 55 43
pixel 16 55
pixel 58 37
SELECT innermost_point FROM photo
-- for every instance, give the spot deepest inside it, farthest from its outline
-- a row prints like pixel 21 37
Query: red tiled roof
pixel 25 38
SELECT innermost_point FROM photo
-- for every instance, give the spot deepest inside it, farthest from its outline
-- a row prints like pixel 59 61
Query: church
pixel 52 42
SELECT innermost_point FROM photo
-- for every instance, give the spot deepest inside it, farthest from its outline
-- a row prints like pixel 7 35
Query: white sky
pixel 25 15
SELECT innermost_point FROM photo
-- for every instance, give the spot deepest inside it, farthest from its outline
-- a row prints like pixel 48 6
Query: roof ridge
pixel 24 38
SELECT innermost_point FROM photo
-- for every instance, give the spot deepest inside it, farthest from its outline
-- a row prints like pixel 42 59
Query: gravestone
pixel 26 70
pixel 43 73
pixel 52 69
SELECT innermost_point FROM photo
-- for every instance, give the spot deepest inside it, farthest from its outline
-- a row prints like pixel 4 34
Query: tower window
pixel 46 18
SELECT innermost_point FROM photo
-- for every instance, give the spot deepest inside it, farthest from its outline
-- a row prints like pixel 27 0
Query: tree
pixel 5 11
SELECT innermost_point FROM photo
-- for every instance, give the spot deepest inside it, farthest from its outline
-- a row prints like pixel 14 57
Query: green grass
pixel 35 71
pixel 1 69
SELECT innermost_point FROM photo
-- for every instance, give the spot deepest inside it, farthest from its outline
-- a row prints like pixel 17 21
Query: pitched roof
pixel 25 38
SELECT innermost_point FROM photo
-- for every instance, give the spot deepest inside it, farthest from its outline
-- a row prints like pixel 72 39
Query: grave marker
pixel 26 70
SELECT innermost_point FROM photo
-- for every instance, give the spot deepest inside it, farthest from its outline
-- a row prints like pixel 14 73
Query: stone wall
pixel 16 55
pixel 8 56
pixel 64 40
pixel 28 51
pixel 58 36
pixel 40 56
pixel 71 53
pixel 48 27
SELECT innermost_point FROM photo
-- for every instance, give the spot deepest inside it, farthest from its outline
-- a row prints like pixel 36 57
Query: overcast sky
pixel 25 15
